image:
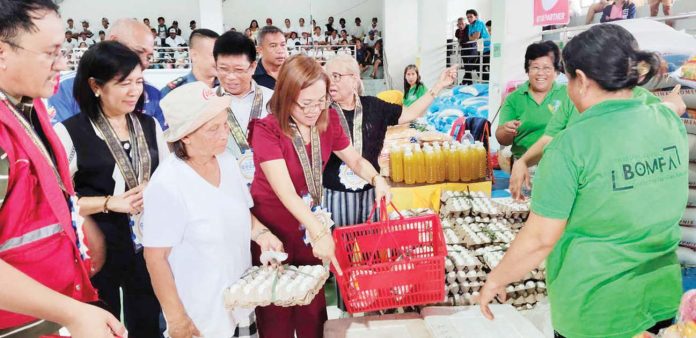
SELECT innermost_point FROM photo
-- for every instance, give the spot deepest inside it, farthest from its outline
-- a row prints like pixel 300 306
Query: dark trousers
pixel 305 321
pixel 654 330
pixel 125 269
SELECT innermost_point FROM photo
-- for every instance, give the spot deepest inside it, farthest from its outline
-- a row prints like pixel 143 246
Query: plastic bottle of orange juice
pixel 396 164
pixel 453 164
pixel 464 159
pixel 445 159
pixel 431 170
pixel 482 160
pixel 440 161
pixel 419 159
pixel 409 166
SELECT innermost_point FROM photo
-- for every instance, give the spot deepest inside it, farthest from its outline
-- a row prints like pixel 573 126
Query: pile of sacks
pixel 687 246
pixel 460 101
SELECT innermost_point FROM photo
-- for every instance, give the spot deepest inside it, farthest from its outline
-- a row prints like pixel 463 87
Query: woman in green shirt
pixel 608 195
pixel 527 110
pixel 413 87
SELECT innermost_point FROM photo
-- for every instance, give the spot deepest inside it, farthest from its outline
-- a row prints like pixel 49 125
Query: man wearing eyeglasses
pixel 235 58
pixel 42 272
pixel 136 36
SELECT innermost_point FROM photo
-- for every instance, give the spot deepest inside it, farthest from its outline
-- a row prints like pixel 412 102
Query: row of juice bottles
pixel 435 162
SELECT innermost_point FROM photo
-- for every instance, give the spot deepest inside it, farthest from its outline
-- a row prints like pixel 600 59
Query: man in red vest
pixel 43 272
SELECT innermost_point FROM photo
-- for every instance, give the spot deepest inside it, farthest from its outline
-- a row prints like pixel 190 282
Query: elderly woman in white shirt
pixel 198 229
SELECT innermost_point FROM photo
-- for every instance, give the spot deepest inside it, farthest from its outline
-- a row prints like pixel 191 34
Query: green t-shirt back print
pixel 619 176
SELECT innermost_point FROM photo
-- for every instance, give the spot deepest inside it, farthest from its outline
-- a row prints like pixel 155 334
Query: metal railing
pixel 162 58
pixel 473 60
pixel 323 53
pixel 170 57
pixel 178 57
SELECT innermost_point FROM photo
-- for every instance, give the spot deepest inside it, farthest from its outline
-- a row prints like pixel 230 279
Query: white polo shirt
pixel 241 106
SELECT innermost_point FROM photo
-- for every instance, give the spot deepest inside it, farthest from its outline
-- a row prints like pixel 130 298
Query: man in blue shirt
pixel 201 45
pixel 476 30
pixel 134 35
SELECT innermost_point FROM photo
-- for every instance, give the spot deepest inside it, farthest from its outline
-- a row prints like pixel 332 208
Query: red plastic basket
pixel 391 263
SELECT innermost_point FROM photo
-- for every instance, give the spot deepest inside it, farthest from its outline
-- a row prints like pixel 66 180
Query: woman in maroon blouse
pixel 291 147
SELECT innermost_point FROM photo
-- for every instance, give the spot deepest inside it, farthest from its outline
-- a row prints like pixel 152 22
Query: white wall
pixel 94 10
pixel 239 13
pixel 432 28
pixel 401 40
pixel 211 15
pixel 422 43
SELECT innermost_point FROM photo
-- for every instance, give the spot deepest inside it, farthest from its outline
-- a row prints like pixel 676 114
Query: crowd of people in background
pixel 322 42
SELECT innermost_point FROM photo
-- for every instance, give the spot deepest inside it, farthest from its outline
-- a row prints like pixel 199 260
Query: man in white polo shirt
pixel 235 59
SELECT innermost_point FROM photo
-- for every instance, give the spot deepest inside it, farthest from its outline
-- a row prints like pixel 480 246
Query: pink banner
pixel 551 12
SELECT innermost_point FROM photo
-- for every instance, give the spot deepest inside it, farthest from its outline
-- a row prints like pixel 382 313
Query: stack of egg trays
pixel 464 276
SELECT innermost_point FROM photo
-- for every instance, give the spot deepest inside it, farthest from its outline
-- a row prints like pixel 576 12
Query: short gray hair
pixel 268 30
pixel 347 63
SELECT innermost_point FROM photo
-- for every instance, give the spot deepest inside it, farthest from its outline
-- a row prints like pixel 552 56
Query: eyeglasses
pixel 235 72
pixel 311 107
pixel 336 77
pixel 546 70
pixel 55 56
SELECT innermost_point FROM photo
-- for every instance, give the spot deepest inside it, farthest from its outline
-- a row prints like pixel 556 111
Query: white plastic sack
pixel 687 94
pixel 658 37
pixel 688 218
pixel 692 149
pixel 688 239
pixel 686 256
pixel 690 125
pixel 691 202
pixel 692 174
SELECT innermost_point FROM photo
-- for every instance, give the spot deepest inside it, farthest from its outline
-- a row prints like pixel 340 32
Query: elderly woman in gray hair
pixel 198 227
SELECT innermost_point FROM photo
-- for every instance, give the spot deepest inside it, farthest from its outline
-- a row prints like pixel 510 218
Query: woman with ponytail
pixel 608 195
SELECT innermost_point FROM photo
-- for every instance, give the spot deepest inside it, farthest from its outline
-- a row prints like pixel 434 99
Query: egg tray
pixel 446 195
pixel 263 286
pixel 478 237
pixel 512 209
pixel 462 276
pixel 455 207
pixel 522 296
pixel 459 221
pixel 498 230
pixel 460 259
pixel 451 236
pixel 463 204
pixel 468 299
pixel 411 213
